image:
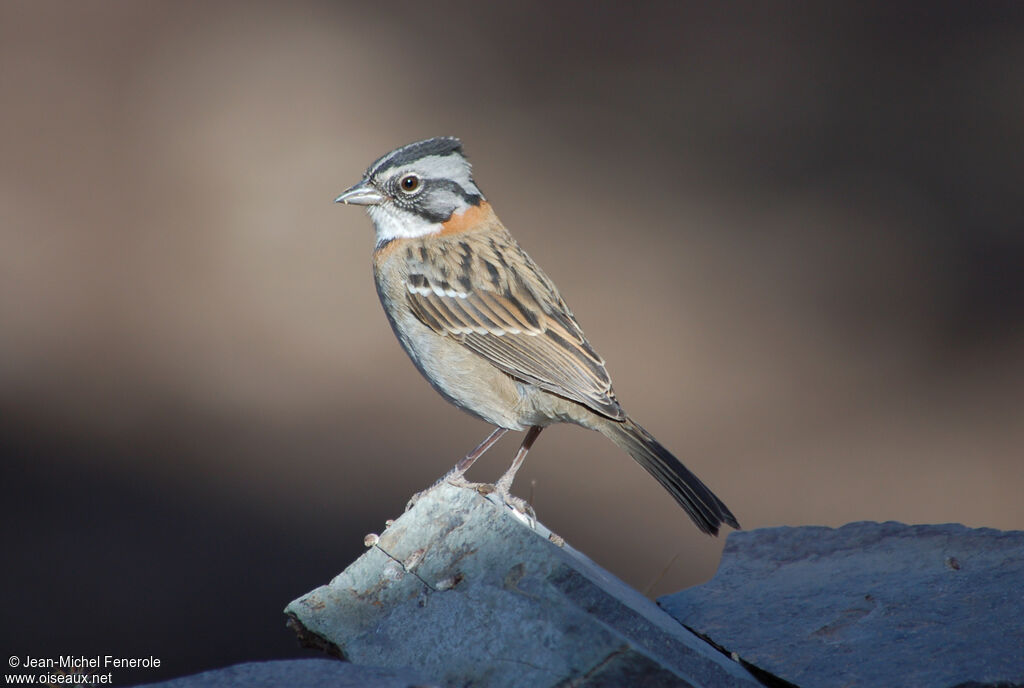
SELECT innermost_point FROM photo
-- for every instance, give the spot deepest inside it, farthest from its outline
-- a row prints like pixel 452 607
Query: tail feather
pixel 707 511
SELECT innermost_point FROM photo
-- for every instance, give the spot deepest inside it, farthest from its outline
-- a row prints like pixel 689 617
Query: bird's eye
pixel 409 183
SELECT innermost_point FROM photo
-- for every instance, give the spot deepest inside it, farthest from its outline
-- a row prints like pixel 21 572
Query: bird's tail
pixel 706 510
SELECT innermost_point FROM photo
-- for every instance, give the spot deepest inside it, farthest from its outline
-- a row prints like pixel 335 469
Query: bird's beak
pixel 362 193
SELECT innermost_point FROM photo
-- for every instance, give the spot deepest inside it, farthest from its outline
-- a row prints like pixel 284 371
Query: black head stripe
pixel 441 145
pixel 434 205
pixel 455 188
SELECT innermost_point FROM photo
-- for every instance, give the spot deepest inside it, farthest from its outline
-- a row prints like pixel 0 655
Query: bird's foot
pixel 455 478
pixel 518 505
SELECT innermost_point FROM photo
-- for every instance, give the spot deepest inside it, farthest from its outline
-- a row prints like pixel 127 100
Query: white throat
pixel 392 223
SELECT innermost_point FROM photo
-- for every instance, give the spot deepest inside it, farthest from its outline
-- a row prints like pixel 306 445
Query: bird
pixel 487 327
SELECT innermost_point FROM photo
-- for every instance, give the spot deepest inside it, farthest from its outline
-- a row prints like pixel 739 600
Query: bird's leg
pixel 504 485
pixel 455 475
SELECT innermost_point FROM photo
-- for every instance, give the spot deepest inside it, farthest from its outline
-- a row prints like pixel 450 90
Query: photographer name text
pixel 83 662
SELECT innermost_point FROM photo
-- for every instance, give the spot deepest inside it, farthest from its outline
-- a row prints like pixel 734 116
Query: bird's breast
pixel 459 375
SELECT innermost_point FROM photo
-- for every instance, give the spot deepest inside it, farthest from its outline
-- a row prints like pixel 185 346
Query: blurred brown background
pixel 794 232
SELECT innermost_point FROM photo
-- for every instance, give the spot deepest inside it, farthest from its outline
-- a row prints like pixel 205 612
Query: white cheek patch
pixel 392 223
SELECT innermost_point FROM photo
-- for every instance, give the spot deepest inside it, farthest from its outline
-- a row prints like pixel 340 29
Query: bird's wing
pixel 492 298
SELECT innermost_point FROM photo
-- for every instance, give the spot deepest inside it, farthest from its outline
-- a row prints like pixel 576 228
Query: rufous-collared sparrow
pixel 486 326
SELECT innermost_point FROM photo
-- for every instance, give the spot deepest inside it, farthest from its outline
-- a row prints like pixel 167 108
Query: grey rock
pixel 296 672
pixel 868 604
pixel 465 592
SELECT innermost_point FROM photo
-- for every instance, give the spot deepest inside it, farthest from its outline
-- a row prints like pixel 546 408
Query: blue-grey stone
pixel 868 604
pixel 309 673
pixel 464 592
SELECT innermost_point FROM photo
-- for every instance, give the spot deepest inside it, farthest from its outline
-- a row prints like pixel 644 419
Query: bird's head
pixel 413 190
